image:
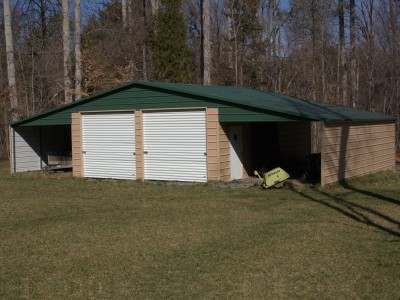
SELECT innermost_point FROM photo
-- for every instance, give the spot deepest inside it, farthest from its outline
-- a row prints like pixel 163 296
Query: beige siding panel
pixel 359 147
pixel 76 135
pixel 360 128
pixel 355 149
pixel 212 152
pixel 354 155
pixel 381 166
pixel 139 144
pixel 224 151
pixel 212 144
pixel 362 138
pixel 355 162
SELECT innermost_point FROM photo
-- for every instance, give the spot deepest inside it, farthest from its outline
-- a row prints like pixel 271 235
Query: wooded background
pixel 344 52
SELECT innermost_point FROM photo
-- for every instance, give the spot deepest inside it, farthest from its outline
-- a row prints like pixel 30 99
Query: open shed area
pixel 183 132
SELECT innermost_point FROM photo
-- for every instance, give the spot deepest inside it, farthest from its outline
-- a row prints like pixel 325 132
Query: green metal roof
pixel 243 97
pixel 312 110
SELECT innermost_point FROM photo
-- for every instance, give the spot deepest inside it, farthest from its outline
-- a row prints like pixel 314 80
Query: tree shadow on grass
pixel 347 186
pixel 354 211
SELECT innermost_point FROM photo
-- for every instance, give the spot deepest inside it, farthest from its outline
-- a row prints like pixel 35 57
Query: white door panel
pixel 175 145
pixel 108 144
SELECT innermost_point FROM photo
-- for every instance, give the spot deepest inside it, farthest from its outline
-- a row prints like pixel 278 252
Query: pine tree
pixel 171 55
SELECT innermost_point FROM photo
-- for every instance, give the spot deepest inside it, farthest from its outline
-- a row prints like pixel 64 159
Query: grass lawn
pixel 63 237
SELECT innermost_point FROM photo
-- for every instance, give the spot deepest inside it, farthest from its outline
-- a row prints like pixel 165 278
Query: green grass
pixel 62 237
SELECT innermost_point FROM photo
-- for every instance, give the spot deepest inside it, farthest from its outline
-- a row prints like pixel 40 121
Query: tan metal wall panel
pixel 358 136
pixel 360 147
pixel 213 161
pixel 355 149
pixel 224 153
pixel 76 136
pixel 139 144
pixel 381 166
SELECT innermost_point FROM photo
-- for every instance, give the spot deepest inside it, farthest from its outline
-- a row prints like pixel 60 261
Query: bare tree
pixel 10 61
pixel 155 6
pixel 66 51
pixel 78 54
pixel 206 43
pixel 342 70
pixel 144 46
pixel 352 54
pixel 124 8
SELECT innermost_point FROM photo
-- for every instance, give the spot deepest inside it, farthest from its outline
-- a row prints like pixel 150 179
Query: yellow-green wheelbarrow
pixel 274 178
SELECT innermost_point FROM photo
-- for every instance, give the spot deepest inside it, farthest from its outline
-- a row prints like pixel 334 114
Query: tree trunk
pixel 144 47
pixel 123 5
pixel 155 6
pixel 268 29
pixel 393 25
pixel 342 74
pixel 352 81
pixel 206 46
pixel 229 29
pixel 129 18
pixel 10 61
pixel 314 48
pixel 66 51
pixel 43 22
pixel 78 54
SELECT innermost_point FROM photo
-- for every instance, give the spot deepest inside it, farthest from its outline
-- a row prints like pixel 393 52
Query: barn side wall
pixel 351 149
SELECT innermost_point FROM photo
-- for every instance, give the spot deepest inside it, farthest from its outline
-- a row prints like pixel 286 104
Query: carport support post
pixel 322 143
pixel 11 144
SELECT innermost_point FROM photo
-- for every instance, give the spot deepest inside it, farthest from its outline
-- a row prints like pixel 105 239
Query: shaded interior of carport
pixel 38 147
pixel 267 145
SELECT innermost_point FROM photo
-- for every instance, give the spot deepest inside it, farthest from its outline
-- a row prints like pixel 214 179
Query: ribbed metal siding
pixel 108 144
pixel 175 145
pixel 26 154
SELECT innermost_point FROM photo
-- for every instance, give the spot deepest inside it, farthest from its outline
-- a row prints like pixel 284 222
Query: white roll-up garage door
pixel 175 145
pixel 108 144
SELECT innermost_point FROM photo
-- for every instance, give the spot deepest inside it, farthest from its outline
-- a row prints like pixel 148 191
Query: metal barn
pixel 182 132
